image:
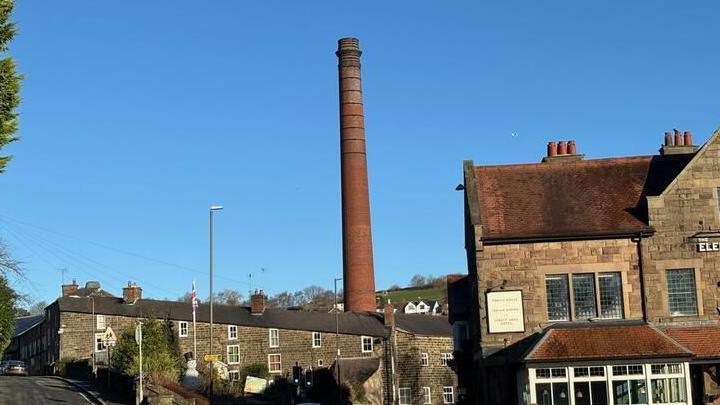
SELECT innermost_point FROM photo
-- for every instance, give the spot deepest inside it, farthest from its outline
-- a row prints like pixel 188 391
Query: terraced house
pixel 592 281
pixel 398 358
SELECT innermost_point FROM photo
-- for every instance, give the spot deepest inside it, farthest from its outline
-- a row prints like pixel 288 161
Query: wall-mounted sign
pixel 708 247
pixel 505 311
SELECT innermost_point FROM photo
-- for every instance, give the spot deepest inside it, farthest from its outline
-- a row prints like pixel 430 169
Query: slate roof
pixel 604 342
pixel 25 323
pixel 349 322
pixel 703 341
pixel 426 325
pixel 600 196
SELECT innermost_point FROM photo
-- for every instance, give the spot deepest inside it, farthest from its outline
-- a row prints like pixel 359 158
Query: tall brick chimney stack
pixel 358 274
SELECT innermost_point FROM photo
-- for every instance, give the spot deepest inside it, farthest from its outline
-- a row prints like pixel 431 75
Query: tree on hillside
pixel 417 281
pixel 9 82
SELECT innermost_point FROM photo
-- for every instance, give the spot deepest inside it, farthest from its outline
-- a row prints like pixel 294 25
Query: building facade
pixel 592 281
pixel 76 326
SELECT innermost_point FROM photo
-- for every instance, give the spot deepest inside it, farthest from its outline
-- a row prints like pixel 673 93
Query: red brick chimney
pixel 69 289
pixel 358 274
pixel 257 303
pixel 132 293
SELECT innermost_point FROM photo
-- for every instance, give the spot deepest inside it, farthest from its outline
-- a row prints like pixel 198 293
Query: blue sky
pixel 136 116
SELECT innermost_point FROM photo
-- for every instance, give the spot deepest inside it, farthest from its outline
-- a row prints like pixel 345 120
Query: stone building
pixel 76 326
pixel 592 281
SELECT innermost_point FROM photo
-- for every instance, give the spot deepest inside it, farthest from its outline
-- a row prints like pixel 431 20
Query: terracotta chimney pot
pixel 688 138
pixel 571 148
pixel 668 139
pixel 552 149
pixel 678 138
pixel 562 148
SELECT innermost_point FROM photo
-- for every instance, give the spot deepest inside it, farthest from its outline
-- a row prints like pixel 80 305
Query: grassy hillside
pixel 412 294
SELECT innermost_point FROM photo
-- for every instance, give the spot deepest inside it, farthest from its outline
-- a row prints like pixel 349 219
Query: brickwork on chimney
pixel 132 293
pixel 358 273
pixel 69 289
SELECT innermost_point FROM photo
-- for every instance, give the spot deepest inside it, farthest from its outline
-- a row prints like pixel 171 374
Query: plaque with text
pixel 505 311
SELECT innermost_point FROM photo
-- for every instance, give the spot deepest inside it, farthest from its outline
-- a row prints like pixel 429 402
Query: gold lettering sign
pixel 505 311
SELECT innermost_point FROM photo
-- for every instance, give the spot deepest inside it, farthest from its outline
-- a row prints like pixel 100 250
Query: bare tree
pixel 229 297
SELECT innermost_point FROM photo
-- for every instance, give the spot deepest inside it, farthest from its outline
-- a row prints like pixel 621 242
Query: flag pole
pixel 194 329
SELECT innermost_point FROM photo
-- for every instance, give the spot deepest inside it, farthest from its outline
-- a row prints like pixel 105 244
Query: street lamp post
pixel 337 339
pixel 213 208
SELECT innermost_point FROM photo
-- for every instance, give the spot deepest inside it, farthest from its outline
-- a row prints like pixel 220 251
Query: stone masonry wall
pixel 410 373
pixel 524 266
pixel 689 205
pixel 252 342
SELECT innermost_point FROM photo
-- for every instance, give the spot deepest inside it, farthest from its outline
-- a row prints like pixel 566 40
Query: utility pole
pixel 337 339
pixel 213 208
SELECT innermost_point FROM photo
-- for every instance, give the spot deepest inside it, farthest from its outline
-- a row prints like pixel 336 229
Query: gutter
pixel 568 237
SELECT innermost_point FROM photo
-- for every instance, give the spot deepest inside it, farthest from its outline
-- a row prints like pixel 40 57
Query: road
pixel 39 390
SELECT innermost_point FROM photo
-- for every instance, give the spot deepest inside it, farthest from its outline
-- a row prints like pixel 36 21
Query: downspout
pixel 641 261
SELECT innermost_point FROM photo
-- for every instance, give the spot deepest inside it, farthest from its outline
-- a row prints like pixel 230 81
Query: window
pixel 320 363
pixel 628 385
pixel 316 339
pixel 404 396
pixel 232 332
pixel 588 303
pixel 367 344
pixel 461 335
pixel 427 398
pixel 274 363
pixel 100 322
pixel 424 359
pixel 183 329
pixel 274 338
pixel 99 344
pixel 233 375
pixel 233 354
pixel 448 395
pixel 445 358
pixel 558 299
pixel 682 299
pixel 667 383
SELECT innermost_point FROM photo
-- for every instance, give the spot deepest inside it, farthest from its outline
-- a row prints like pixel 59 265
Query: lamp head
pixel 216 207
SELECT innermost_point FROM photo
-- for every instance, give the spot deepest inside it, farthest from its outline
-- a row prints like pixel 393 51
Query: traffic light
pixel 309 378
pixel 297 374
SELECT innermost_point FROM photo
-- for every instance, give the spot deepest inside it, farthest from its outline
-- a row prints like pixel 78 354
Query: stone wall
pixel 688 206
pixel 524 267
pixel 253 342
pixel 410 373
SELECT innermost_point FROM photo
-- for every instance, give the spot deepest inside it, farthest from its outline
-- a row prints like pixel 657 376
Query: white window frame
pixel 643 373
pixel 100 322
pixel 227 350
pixel 231 329
pixel 183 325
pixel 316 340
pixel 424 359
pixel 274 341
pixel 445 358
pixel 320 363
pixel 427 397
pixel 448 390
pixel 279 363
pixel 362 344
pixel 99 339
pixel 404 400
pixel 232 373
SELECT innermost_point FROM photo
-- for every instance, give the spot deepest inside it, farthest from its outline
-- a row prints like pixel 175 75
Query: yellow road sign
pixel 209 358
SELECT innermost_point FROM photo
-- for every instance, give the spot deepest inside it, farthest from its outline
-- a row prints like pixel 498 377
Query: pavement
pixel 49 390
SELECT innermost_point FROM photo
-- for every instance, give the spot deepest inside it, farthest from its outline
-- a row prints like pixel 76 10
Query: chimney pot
pixel 571 148
pixel 562 148
pixel 678 138
pixel 688 138
pixel 552 149
pixel 668 139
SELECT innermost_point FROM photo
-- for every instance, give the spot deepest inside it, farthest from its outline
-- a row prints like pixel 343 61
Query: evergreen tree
pixel 161 352
pixel 9 82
